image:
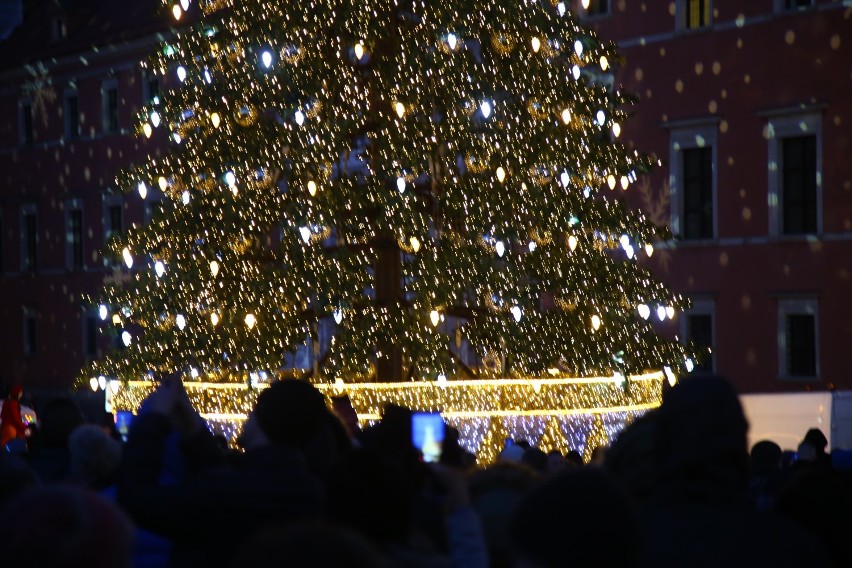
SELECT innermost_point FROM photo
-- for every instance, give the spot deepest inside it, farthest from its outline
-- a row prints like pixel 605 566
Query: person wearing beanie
pixel 269 484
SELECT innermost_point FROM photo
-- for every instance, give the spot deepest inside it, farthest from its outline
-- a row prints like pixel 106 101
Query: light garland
pixel 485 411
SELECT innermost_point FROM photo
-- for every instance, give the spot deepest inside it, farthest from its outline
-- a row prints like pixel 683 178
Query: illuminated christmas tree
pixel 422 174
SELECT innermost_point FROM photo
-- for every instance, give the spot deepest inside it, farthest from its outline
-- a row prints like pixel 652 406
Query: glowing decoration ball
pixel 578 48
pixel 305 233
pixel 661 313
pixel 184 197
pixel 181 73
pixel 565 179
pixel 596 322
pixel 670 312
pixel 177 12
pixel 501 174
pixel 435 317
pixel 215 119
pixel 500 248
pixel 644 311
pixel 142 189
pixel 146 129
pixel 572 242
pixel 93 382
pixel 561 8
pixel 532 246
pixel 649 249
pixel 230 178
pixel 184 4
pixel 300 117
pixel 485 108
pixel 452 41
pixel 566 115
pixel 604 63
pixel 359 51
pixel 214 268
pixel 415 243
pixel 517 313
pixel 338 316
pixel 624 182
pixel 616 129
pixel 163 183
pixel 155 119
pixel 128 258
pixel 600 117
pixel 575 71
pixel 214 319
pixel 126 338
pixel 400 109
pixel 250 321
pixel 159 268
pixel 266 59
pixel 312 188
pixel 400 184
pixel 536 44
pixel 610 181
pixel 103 312
pixel 180 321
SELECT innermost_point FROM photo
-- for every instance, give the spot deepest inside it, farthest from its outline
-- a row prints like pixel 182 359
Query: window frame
pixel 24 103
pixel 28 266
pixel 701 307
pixel 71 206
pixel 685 136
pixel 790 307
pixel 29 314
pixel 147 78
pixel 790 125
pixel 67 95
pixel 91 314
pixel 106 86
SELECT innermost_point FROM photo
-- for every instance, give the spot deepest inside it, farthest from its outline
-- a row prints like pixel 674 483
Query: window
pixel 692 180
pixel 26 123
pixel 113 218
pixel 109 95
pixel 72 115
pixel 30 344
pixel 694 14
pixel 90 335
pixel 595 7
pixel 29 239
pixel 150 88
pixel 74 235
pixel 698 327
pixel 795 166
pixel 788 5
pixel 798 339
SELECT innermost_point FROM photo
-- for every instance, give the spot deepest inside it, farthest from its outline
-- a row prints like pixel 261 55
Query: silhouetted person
pixel 50 455
pixel 765 474
pixel 700 514
pixel 561 523
pixel 536 459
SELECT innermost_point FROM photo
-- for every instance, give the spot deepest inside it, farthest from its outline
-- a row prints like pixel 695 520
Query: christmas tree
pixel 419 173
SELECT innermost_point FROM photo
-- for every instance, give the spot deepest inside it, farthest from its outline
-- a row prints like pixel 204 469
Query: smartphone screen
pixel 123 418
pixel 427 434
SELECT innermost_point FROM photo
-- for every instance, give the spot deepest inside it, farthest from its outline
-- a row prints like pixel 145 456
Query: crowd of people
pixel 678 487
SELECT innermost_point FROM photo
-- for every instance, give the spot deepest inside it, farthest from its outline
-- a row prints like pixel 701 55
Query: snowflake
pixel 40 90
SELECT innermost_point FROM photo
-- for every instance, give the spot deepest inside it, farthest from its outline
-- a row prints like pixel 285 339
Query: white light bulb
pixel 146 130
pixel 176 137
pixel 670 312
pixel 689 365
pixel 661 312
pixel 184 4
pixel 181 73
pixel 400 184
pixel 452 41
pixel 596 322
pixel 163 183
pixel 399 108
pixel 143 189
pixel 93 382
pixel 669 375
pixel 566 116
pixel 517 313
pixel 159 268
pixel 629 251
pixel 435 317
pixel 536 44
pixel 644 311
pixel 306 234
pixel 532 246
pixel 126 338
pixel 610 181
pixel 575 71
pixel 128 258
pixel 184 197
pixel 300 117
pixel 565 179
pixel 500 248
pixel 155 119
pixel 214 268
pixel 207 76
pixel 572 243
pixel 561 8
pixel 415 243
pixel 649 249
pixel 359 50
pixel 442 380
pixel 177 12
pixel 604 63
pixel 193 372
pixel 102 382
pixel 180 320
pixel 624 240
pixel 215 119
pixel 214 319
pixel 578 48
pixel 600 118
pixel 624 182
pixel 338 316
pixel 230 178
pixel 486 109
pixel 616 129
pixel 103 312
pixel 266 59
pixel 501 174
pixel 250 320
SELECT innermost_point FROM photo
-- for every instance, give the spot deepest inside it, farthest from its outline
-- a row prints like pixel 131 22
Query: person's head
pixel 536 459
pixel 65 526
pixel 94 455
pixel 288 413
pixel 566 512
pixel 16 476
pixel 765 457
pixel 555 461
pixel 817 439
pixel 58 419
pixel 314 544
pixel 16 392
pixel 574 459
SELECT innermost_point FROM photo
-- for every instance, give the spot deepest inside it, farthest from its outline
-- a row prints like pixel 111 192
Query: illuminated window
pixel 692 179
pixel 795 173
pixel 109 100
pixel 694 14
pixel 798 339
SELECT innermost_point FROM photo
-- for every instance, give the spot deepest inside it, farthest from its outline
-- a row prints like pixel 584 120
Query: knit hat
pixel 290 411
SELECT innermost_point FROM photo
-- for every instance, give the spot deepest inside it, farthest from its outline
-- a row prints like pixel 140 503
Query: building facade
pixel 70 90
pixel 747 105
